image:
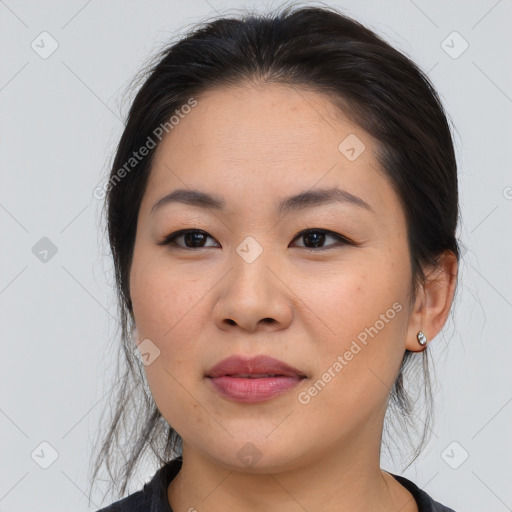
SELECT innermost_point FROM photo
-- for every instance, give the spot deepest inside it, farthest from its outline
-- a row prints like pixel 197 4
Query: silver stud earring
pixel 422 339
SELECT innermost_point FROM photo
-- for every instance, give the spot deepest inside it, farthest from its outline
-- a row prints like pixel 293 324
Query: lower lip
pixel 253 390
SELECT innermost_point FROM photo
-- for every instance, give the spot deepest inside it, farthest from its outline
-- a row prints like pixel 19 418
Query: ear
pixel 433 302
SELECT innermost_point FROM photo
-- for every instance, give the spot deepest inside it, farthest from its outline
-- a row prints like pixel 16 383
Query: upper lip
pixel 253 365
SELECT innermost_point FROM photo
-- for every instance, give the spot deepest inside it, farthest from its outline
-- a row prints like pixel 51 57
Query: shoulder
pixel 132 503
pixel 424 501
pixel 153 496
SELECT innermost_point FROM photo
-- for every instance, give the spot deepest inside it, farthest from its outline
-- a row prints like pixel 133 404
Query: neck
pixel 346 478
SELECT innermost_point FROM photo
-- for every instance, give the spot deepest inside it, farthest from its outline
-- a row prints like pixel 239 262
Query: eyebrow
pixel 302 201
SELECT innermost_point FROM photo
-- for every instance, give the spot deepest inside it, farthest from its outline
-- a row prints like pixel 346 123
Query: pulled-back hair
pixel 373 84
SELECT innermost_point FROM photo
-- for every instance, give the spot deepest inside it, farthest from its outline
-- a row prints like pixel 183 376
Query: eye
pixel 316 237
pixel 195 237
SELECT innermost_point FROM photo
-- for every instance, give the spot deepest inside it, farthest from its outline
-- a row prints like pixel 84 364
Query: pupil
pixel 316 236
pixel 189 237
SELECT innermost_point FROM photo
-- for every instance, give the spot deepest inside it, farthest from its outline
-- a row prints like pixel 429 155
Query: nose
pixel 253 295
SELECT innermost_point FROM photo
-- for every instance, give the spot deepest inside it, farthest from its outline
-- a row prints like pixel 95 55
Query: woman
pixel 282 212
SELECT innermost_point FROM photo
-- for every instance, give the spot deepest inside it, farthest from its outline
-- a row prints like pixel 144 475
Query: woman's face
pixel 246 285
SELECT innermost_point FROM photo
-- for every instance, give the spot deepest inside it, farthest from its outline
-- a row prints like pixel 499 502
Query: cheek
pixel 362 314
pixel 164 299
pixel 345 301
pixel 174 397
pixel 167 312
pixel 356 371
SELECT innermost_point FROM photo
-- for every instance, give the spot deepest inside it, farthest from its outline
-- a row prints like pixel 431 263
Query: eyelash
pixel 170 239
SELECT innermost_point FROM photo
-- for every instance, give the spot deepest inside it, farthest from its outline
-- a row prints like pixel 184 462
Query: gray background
pixel 60 122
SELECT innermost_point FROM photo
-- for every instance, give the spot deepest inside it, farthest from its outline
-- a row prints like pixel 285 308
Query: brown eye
pixel 315 238
pixel 192 239
pixel 196 239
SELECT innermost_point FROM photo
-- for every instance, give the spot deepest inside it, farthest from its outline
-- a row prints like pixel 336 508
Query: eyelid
pixel 342 238
pixel 169 239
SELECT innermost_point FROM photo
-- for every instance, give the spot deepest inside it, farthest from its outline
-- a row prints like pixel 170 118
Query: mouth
pixel 260 366
pixel 255 375
pixel 255 379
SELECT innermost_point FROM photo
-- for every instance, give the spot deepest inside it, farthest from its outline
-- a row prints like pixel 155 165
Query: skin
pixel 254 145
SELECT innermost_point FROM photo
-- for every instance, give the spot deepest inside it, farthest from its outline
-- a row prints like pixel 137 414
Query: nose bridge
pixel 251 262
pixel 250 249
pixel 251 291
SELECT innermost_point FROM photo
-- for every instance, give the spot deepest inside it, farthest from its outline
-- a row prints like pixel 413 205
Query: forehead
pixel 270 122
pixel 238 140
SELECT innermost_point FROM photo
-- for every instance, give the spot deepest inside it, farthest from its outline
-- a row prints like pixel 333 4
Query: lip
pixel 230 377
pixel 253 365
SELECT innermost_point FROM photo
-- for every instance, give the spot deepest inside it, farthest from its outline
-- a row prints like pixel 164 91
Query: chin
pixel 257 454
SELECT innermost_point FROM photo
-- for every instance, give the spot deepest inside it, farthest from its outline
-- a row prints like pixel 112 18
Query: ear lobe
pixel 417 324
pixel 433 302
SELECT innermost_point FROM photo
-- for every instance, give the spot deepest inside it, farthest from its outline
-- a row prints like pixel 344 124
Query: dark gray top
pixel 153 496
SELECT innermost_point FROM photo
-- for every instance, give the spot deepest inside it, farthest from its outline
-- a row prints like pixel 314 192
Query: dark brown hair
pixel 373 84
